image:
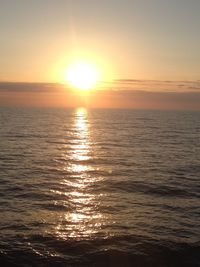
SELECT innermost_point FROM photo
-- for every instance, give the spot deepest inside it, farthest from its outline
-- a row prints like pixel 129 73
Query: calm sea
pixel 99 188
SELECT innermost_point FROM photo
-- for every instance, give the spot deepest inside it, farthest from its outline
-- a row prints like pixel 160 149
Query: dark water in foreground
pixel 99 188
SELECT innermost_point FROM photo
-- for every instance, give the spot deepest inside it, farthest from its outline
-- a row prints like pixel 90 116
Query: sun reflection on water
pixel 81 149
pixel 83 218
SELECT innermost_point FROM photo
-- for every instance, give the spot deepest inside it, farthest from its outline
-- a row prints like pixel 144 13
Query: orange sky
pixel 137 39
pixel 147 52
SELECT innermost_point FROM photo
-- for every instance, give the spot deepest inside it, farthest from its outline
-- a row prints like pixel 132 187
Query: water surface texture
pixel 99 188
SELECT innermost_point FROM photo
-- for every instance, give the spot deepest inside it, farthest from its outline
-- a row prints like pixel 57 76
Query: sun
pixel 83 76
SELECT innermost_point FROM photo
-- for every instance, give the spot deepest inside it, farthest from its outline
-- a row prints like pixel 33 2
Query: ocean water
pixel 99 188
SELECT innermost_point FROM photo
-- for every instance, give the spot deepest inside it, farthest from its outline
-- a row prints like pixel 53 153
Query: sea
pixel 99 187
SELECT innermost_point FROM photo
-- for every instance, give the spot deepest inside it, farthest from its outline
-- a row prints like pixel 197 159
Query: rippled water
pixel 99 188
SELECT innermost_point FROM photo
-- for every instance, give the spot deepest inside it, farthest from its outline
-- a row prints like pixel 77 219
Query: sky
pixel 134 42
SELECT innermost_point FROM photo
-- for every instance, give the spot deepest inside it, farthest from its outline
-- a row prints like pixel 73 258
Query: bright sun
pixel 82 76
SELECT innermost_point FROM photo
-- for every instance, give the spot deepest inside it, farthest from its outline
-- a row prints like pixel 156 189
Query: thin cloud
pixel 28 87
pixel 156 85
pixel 140 97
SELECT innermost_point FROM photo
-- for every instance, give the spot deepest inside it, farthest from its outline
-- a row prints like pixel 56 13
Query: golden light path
pixel 84 219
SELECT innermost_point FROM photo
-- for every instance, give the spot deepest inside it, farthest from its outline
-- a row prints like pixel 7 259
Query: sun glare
pixel 82 76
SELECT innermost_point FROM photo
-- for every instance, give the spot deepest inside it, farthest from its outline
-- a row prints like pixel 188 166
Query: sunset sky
pixel 141 47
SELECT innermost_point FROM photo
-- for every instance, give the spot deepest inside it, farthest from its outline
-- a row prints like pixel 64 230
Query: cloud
pixel 156 85
pixel 186 96
pixel 30 87
pixel 120 84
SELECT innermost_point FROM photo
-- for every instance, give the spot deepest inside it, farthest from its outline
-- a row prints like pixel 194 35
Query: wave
pixel 112 251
